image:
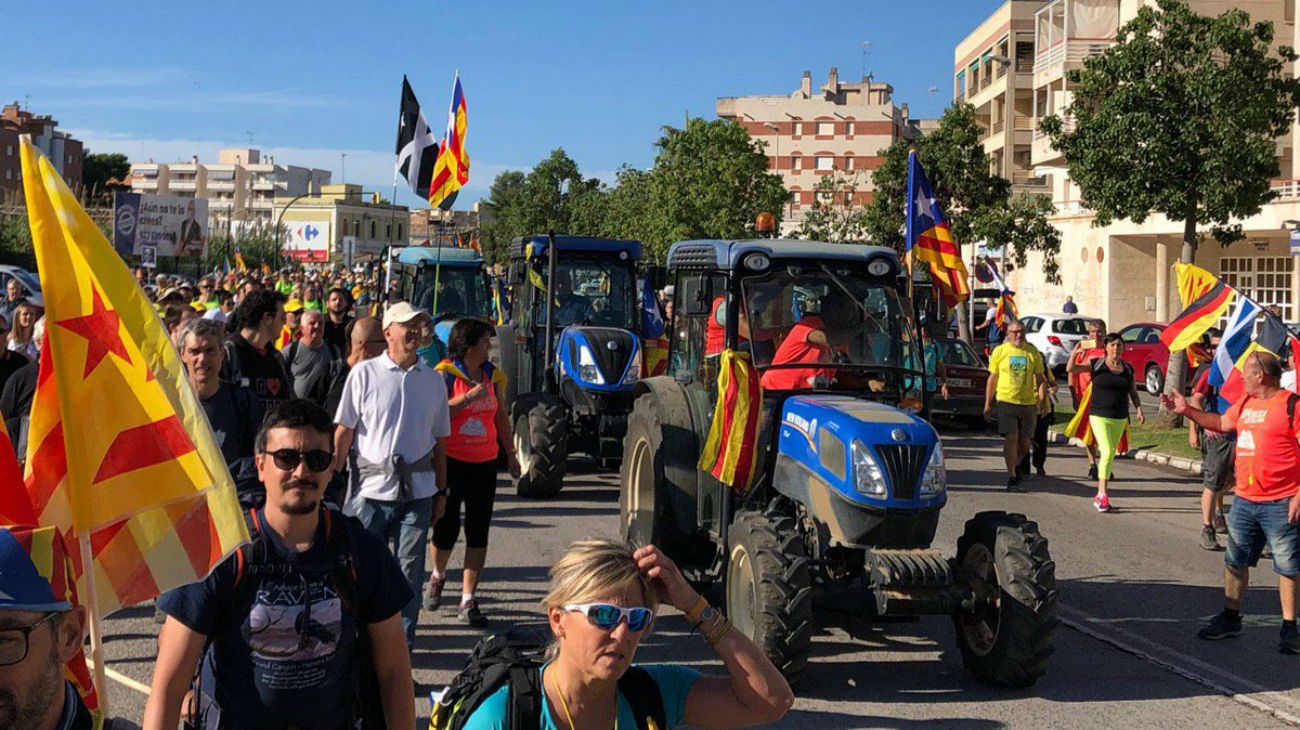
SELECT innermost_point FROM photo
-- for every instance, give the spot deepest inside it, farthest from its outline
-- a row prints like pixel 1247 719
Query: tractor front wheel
pixel 541 445
pixel 1005 636
pixel 768 588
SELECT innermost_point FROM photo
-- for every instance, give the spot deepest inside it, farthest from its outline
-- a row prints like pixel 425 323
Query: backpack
pixel 513 660
pixel 256 558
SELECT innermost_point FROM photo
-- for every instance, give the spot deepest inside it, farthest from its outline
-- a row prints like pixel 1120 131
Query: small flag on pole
pixel 417 150
pixel 451 171
pixel 929 239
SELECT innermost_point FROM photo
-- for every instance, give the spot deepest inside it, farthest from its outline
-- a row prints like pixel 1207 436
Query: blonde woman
pixel 603 600
pixel 20 332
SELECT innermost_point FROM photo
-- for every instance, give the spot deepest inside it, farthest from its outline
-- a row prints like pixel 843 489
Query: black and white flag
pixel 417 149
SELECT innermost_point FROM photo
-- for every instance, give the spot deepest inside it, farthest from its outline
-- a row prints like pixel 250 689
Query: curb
pixel 1180 463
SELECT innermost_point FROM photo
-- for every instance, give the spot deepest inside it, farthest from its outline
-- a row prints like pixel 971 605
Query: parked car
pixel 967 376
pixel 1055 335
pixel 31 283
pixel 1146 354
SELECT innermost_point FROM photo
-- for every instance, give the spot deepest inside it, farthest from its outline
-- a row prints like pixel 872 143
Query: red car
pixel 1147 355
pixel 967 377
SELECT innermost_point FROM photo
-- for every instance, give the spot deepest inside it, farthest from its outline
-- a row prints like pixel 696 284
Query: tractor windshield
pixel 597 292
pixel 448 291
pixel 827 326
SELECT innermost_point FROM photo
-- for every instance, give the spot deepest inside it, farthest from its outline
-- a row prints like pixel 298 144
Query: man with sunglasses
pixel 286 627
pixel 394 408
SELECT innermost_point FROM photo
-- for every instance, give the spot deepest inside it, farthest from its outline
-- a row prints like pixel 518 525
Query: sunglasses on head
pixel 606 616
pixel 288 459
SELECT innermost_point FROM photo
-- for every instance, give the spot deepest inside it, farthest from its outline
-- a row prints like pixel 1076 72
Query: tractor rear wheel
pixel 1007 639
pixel 541 445
pixel 768 588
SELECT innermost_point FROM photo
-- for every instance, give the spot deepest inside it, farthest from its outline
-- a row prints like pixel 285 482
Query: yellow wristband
pixel 693 615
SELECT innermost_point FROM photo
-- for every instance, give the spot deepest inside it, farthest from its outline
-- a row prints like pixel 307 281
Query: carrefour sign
pixel 308 240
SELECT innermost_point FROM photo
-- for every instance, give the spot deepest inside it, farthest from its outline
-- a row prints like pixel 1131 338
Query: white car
pixel 1055 335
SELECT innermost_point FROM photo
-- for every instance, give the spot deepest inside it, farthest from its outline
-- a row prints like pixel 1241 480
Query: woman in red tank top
pixel 479 425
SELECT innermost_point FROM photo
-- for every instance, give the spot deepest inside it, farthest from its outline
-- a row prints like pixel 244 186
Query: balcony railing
pixel 1028 178
pixel 1025 123
pixel 1070 53
pixel 1286 189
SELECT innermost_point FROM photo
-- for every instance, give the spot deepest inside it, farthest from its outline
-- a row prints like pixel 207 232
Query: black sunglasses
pixel 318 460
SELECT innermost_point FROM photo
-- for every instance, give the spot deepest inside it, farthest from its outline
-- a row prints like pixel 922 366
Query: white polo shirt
pixel 394 411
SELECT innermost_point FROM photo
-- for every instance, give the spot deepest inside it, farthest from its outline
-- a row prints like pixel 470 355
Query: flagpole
pixel 96 626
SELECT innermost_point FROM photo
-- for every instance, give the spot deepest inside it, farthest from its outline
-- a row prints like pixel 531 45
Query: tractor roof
pixel 444 255
pixel 533 246
pixel 715 254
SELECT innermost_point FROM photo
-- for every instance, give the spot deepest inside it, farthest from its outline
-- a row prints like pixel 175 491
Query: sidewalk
pixel 1183 463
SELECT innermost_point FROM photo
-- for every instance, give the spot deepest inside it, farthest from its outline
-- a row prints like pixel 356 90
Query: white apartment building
pixel 241 186
pixel 1123 272
pixel 839 128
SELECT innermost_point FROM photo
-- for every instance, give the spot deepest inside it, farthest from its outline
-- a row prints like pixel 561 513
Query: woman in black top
pixel 1113 388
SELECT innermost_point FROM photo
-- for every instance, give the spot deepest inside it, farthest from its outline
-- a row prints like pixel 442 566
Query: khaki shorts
pixel 1016 419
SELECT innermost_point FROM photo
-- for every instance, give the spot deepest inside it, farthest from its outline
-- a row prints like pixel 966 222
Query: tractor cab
pixel 571 350
pixel 849 477
pixel 449 284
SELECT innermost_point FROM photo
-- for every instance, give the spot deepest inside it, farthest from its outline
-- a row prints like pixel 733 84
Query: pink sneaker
pixel 1101 502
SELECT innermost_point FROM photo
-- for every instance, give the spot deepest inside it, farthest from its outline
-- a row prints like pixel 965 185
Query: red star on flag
pixel 100 328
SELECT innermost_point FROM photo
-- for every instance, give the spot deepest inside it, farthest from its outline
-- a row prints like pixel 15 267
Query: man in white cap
pixel 394 407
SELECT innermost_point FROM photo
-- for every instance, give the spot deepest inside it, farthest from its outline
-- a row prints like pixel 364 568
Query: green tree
pixel 1180 117
pixel 710 180
pixel 497 223
pixel 834 215
pixel 553 196
pixel 630 210
pixel 978 204
pixel 97 169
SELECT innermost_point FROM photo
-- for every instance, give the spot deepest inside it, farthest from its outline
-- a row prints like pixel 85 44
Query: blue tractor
pixel 850 478
pixel 448 283
pixel 571 352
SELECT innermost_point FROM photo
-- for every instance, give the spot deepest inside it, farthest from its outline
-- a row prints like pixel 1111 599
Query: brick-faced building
pixel 839 128
pixel 63 151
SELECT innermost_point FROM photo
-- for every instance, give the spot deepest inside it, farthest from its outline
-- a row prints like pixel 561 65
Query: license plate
pixel 959 382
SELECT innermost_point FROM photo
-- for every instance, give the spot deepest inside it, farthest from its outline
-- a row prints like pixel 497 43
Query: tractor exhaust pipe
pixel 550 301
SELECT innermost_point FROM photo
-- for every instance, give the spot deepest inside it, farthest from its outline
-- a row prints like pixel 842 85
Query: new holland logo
pixel 806 427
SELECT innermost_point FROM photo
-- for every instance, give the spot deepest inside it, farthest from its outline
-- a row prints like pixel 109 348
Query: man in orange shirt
pixel 811 342
pixel 1266 509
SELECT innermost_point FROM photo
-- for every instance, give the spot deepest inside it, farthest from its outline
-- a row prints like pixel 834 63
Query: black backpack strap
pixel 1291 400
pixel 524 705
pixel 642 694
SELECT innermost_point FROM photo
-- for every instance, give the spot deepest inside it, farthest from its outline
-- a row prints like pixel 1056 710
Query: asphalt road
pixel 1134 589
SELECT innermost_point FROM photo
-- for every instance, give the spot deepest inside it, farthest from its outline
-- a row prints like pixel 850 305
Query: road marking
pixel 1184 665
pixel 120 678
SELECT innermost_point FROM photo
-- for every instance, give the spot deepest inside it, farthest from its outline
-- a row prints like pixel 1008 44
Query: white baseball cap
pixel 402 312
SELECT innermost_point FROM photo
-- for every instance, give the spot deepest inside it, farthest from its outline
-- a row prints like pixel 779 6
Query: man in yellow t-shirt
pixel 1016 386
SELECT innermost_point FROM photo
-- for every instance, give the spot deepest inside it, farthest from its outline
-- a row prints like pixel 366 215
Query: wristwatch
pixel 707 615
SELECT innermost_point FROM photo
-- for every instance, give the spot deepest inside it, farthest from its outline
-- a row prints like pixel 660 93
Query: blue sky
pixel 310 81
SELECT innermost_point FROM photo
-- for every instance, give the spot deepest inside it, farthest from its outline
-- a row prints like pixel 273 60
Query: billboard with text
pixel 172 225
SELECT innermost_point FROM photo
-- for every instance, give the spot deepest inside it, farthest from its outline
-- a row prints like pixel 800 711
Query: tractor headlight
pixel 588 370
pixel 935 480
pixel 868 477
pixel 633 370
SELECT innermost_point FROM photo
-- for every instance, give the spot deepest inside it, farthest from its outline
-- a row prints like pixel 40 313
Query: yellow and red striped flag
pixel 451 169
pixel 119 449
pixel 730 453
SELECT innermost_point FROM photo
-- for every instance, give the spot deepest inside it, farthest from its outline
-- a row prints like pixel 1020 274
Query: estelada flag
pixel 1193 281
pixel 1080 428
pixel 451 169
pixel 929 239
pixel 730 452
pixel 118 444
pixel 1200 315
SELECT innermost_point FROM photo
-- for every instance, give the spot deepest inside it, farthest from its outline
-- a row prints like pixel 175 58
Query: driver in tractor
pixel 821 339
pixel 570 307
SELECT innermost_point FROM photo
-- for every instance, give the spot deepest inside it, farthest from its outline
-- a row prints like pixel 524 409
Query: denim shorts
pixel 1251 525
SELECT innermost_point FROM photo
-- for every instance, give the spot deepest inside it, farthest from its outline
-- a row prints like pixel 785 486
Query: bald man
pixel 365 340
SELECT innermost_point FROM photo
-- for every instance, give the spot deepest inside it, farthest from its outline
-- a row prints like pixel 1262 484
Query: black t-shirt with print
pixel 291 656
pixel 261 370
